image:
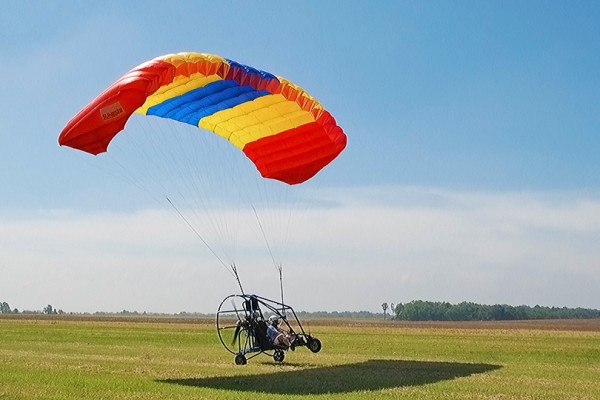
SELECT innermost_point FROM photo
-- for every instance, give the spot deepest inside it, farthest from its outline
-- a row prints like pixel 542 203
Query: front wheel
pixel 314 345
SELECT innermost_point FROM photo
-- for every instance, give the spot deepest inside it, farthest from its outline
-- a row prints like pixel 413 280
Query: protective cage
pixel 242 328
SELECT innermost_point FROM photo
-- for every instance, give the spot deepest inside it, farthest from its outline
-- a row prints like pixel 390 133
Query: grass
pixel 76 359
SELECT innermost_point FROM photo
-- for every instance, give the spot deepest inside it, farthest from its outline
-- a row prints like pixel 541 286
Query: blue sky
pixel 471 172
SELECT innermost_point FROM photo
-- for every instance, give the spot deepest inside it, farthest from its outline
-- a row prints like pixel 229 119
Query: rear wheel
pixel 240 359
pixel 279 355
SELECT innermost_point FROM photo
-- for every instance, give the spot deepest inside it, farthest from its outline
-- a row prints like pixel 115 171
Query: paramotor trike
pixel 242 323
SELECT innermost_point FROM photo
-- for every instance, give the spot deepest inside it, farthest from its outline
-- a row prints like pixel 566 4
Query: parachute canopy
pixel 284 131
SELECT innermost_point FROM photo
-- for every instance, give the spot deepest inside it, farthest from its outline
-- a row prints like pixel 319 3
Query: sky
pixel 471 171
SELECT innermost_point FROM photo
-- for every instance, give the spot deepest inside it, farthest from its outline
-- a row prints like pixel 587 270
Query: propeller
pixel 238 325
pixel 236 332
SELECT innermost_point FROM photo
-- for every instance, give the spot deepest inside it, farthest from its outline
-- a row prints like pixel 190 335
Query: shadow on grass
pixel 368 375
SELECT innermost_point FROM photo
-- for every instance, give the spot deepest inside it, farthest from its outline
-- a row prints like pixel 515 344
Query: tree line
pixel 5 309
pixel 419 310
pixel 416 310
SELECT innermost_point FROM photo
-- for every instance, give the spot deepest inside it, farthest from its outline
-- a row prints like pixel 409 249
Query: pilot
pixel 277 335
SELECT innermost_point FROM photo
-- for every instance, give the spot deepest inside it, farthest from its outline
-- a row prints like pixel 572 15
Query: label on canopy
pixel 111 111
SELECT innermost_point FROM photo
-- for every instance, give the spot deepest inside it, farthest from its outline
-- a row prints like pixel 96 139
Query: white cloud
pixel 369 245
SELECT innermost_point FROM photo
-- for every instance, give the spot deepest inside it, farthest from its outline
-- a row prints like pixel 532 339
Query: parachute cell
pixel 284 131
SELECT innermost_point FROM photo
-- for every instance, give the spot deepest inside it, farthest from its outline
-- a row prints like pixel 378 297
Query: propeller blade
pixel 236 332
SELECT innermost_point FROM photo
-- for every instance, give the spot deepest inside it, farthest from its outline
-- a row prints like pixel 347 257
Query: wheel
pixel 279 355
pixel 314 345
pixel 240 359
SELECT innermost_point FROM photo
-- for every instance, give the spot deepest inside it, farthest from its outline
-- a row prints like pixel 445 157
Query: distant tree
pixel 392 310
pixel 48 309
pixel 384 306
pixel 4 308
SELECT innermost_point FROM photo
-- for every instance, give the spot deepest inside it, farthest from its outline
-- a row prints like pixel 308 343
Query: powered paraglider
pixel 266 120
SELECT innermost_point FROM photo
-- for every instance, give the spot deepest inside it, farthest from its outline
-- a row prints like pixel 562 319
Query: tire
pixel 314 345
pixel 240 359
pixel 279 355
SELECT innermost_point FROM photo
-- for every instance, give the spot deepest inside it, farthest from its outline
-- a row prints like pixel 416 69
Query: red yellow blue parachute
pixel 286 133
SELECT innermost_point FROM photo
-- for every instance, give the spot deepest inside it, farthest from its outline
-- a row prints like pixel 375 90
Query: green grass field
pixel 164 359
